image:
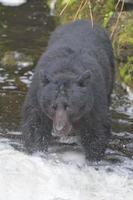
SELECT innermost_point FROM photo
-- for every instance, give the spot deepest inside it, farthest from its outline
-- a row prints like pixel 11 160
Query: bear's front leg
pixel 95 139
pixel 35 129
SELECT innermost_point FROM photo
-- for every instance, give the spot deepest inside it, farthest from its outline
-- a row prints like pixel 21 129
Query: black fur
pixel 77 69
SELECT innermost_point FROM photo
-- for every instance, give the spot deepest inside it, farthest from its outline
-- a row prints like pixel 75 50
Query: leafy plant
pixel 126 72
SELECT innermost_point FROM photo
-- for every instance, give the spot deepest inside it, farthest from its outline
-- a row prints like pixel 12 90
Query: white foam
pixel 129 90
pixel 10 87
pixel 52 5
pixel 12 2
pixel 32 177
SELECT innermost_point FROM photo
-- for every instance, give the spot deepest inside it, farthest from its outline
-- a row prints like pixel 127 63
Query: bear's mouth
pixel 61 124
pixel 62 131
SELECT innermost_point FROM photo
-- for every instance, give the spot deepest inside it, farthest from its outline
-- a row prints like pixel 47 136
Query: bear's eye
pixel 46 81
pixel 81 84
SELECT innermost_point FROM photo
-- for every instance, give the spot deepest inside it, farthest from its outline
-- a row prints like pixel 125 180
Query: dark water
pixel 24 33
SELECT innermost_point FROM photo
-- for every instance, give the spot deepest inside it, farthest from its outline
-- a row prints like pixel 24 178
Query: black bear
pixel 71 90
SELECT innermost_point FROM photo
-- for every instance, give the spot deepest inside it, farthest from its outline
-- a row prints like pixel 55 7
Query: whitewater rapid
pixel 61 176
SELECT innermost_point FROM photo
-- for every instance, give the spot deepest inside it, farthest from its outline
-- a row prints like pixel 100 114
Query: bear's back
pixel 80 34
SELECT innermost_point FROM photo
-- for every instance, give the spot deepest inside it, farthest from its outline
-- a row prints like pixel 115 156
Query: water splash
pixel 12 2
pixel 61 176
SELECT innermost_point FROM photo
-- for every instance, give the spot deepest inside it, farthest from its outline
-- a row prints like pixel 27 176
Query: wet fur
pixel 74 48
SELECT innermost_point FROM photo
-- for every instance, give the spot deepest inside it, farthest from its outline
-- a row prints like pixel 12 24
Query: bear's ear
pixel 84 79
pixel 43 78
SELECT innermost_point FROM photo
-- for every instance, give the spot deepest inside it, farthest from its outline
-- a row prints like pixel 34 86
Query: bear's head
pixel 65 98
pixel 65 93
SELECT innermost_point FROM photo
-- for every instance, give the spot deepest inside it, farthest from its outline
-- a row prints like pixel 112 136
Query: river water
pixel 62 174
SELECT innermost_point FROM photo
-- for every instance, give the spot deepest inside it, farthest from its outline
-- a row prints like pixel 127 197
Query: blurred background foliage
pixel 72 9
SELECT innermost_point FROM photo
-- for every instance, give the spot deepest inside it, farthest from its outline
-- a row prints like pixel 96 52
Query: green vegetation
pixel 126 35
pixel 126 72
pixel 99 10
pixel 124 49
